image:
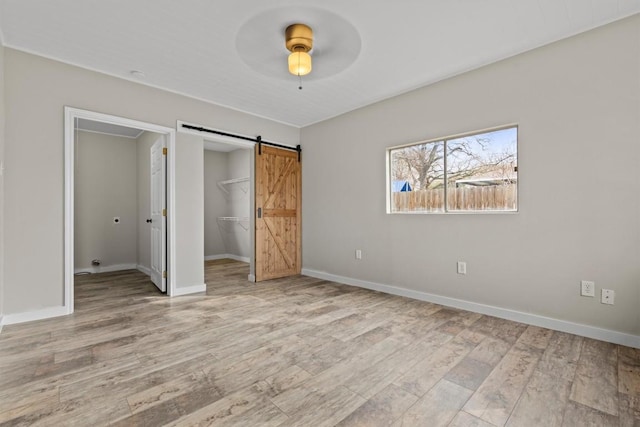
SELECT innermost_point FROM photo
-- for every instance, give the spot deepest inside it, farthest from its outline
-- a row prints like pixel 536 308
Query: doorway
pixel 227 202
pixel 162 253
pixel 274 184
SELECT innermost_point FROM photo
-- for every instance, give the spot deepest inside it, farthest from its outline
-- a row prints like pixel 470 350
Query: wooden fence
pixel 480 198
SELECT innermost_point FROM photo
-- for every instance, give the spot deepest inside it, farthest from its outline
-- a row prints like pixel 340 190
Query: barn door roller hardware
pixel 258 140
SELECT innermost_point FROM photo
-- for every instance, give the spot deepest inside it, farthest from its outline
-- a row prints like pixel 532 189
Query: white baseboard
pixel 1 323
pixel 189 290
pixel 503 313
pixel 45 313
pixel 214 257
pixel 106 268
pixel 227 256
pixel 238 258
pixel 143 269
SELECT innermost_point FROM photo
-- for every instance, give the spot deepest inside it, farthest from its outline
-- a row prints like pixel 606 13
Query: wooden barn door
pixel 278 195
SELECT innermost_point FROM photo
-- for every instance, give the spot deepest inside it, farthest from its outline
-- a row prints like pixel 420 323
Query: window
pixel 470 173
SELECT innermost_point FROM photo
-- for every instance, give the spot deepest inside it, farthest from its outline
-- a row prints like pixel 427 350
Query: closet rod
pixel 257 140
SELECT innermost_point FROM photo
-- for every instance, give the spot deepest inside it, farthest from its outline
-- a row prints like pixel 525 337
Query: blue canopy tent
pixel 400 186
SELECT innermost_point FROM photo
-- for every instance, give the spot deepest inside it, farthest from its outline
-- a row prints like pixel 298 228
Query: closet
pixel 226 202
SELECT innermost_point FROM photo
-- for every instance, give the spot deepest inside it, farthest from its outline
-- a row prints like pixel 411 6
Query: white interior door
pixel 159 214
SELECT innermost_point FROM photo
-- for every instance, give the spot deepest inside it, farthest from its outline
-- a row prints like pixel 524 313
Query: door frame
pixel 70 116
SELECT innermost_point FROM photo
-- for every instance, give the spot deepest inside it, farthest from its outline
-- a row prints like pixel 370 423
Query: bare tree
pixel 419 164
pixel 423 165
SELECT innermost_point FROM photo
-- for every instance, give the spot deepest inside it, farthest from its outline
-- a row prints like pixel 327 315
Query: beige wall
pixel 577 103
pixel 143 148
pixel 215 205
pixel 105 187
pixel 2 114
pixel 37 89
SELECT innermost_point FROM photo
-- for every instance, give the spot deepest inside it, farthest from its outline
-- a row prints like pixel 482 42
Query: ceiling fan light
pixel 299 63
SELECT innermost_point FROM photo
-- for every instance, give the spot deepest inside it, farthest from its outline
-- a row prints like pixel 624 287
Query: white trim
pixel 215 257
pixel 69 187
pixel 252 278
pixel 45 313
pixel 112 134
pixel 115 267
pixel 107 268
pixel 1 323
pixel 238 258
pixel 503 313
pixel 227 256
pixel 171 218
pixel 455 136
pixel 143 269
pixel 195 289
pixel 70 115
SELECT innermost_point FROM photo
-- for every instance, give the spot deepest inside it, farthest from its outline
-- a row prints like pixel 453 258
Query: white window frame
pixel 446 211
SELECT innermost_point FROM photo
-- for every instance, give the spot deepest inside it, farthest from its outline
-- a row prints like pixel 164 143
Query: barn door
pixel 278 206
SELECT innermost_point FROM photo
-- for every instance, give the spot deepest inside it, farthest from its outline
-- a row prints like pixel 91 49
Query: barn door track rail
pixel 258 140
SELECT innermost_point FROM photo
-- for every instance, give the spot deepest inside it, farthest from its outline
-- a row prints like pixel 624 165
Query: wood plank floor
pixel 300 352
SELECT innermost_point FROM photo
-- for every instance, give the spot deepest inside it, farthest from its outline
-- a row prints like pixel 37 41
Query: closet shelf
pixel 240 220
pixel 224 185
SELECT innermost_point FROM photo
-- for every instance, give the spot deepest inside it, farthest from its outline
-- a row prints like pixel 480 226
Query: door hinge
pixel 164 212
pixel 164 150
pixel 164 274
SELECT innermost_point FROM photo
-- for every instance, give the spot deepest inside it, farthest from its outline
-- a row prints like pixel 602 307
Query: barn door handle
pixel 259 212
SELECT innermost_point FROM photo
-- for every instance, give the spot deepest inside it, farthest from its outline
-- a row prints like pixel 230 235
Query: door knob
pixel 149 220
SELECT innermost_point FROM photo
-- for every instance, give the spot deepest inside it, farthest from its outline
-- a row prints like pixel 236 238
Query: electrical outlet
pixel 587 288
pixel 358 254
pixel 462 267
pixel 608 296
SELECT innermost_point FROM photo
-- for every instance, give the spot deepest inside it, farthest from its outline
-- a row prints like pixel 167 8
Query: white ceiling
pixel 363 51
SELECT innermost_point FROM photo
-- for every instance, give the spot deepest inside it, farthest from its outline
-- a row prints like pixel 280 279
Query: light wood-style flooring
pixel 300 352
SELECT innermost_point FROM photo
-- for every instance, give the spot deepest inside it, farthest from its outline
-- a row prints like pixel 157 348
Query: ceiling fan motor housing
pixel 299 38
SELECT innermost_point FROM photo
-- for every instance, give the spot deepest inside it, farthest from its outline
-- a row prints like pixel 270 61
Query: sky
pixel 500 140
